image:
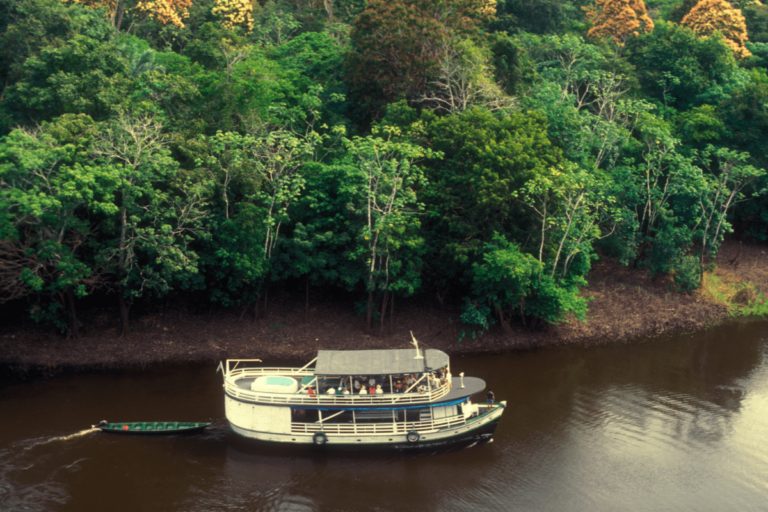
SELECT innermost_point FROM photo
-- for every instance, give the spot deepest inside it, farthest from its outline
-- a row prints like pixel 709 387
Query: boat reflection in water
pixel 402 398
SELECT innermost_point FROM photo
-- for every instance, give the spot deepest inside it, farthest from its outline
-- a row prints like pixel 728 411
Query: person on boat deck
pixel 340 390
pixel 379 391
pixel 330 391
pixel 371 382
pixel 489 395
pixel 399 386
pixel 422 388
pixel 363 391
pixel 372 390
pixel 357 384
pixel 345 391
pixel 311 391
pixel 449 379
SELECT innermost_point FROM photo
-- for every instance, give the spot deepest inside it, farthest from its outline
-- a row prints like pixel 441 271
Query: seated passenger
pixel 371 382
pixel 345 391
pixel 357 384
pixel 311 391
pixel 330 391
pixel 399 386
pixel 363 391
pixel 422 388
pixel 379 391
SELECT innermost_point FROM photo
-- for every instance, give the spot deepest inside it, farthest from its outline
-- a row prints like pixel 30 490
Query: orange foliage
pixel 710 16
pixel 235 13
pixel 618 19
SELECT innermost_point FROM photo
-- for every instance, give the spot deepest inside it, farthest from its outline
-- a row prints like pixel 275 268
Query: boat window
pixel 416 414
pixel 313 416
pixel 304 415
pixel 337 417
pixel 373 416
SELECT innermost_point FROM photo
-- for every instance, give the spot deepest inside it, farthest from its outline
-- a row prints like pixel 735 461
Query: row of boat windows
pixel 364 416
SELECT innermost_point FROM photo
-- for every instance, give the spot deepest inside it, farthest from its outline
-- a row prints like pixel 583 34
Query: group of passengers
pixel 378 385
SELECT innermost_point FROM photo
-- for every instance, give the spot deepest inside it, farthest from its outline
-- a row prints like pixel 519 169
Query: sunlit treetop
pixel 164 11
pixel 486 9
pixel 710 16
pixel 236 13
pixel 618 19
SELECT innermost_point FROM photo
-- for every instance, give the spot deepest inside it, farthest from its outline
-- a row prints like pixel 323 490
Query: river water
pixel 679 423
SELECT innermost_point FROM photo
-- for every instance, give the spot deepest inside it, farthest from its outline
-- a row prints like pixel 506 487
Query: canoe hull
pixel 152 428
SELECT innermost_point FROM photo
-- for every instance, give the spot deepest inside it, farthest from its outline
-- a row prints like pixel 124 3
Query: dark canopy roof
pixel 378 362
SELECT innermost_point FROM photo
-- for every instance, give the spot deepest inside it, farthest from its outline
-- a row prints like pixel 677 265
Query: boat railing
pixel 236 391
pixel 422 427
pixel 244 373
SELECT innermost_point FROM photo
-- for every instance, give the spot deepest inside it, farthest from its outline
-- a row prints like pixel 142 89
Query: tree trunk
pixel 124 310
pixel 383 313
pixel 120 11
pixel 70 300
pixel 392 315
pixel 245 310
pixel 503 321
pixel 370 310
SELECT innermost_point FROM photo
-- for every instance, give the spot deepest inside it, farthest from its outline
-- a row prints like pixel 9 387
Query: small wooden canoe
pixel 152 427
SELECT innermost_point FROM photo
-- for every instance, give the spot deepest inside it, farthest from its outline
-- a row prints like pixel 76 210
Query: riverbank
pixel 626 304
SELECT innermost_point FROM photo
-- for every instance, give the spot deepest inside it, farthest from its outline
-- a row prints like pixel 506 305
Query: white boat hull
pixel 273 424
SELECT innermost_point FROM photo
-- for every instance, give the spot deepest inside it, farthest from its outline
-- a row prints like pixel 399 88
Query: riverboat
pixel 399 398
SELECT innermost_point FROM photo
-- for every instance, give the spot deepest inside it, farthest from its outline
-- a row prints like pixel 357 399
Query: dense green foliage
pixel 482 153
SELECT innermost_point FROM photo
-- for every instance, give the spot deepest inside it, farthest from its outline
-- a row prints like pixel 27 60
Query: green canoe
pixel 152 427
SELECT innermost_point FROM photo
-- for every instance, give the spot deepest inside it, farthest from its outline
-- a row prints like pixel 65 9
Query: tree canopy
pixel 478 155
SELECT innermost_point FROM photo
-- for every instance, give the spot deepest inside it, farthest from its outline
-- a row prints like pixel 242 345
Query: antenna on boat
pixel 415 343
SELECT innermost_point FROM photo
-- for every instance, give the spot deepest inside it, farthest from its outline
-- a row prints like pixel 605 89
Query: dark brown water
pixel 668 425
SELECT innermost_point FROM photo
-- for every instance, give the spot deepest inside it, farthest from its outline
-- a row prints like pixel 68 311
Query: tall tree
pixel 676 66
pixel 389 206
pixel 397 44
pixel 618 19
pixel 158 211
pixel 48 191
pixel 728 175
pixel 710 16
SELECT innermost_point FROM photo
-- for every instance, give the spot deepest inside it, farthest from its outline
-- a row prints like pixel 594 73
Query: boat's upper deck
pixel 426 390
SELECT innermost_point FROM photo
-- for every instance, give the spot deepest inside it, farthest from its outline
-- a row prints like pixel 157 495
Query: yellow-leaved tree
pixel 710 16
pixel 618 19
pixel 164 11
pixel 236 13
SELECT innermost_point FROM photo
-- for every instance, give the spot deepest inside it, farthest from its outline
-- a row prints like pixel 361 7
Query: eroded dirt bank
pixel 626 305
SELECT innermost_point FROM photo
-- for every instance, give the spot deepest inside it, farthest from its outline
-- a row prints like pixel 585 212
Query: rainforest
pixel 478 155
